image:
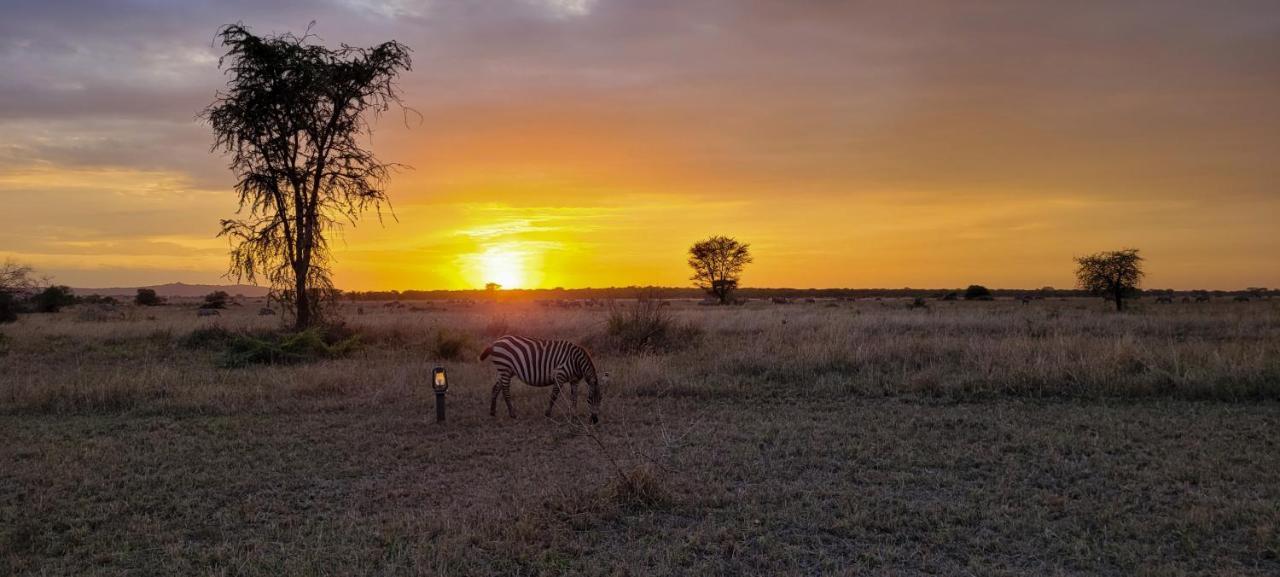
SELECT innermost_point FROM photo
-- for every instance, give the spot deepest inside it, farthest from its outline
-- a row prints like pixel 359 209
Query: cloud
pixel 773 118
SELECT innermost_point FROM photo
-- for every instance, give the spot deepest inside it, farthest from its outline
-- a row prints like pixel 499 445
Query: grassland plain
pixel 812 439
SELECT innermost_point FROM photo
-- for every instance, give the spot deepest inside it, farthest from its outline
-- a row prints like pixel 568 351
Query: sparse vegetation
pixel 646 326
pixel 285 349
pixel 449 346
pixel 798 439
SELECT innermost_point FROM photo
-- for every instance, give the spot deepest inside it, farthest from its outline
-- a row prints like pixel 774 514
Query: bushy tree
pixel 977 292
pixel 717 264
pixel 292 119
pixel 1115 275
pixel 147 298
pixel 216 300
pixel 15 283
pixel 53 298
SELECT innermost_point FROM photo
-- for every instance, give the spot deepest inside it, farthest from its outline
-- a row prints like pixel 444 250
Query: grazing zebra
pixel 543 363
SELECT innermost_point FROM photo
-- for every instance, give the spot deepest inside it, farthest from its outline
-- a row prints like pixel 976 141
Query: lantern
pixel 440 384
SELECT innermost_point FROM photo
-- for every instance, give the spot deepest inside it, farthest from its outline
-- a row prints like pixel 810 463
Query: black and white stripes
pixel 543 363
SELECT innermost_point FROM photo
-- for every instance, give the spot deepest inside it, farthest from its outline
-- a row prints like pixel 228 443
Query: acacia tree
pixel 1113 274
pixel 717 264
pixel 15 282
pixel 291 119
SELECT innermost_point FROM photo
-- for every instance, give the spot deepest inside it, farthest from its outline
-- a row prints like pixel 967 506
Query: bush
pixel 147 298
pixel 449 347
pixel 52 299
pixel 977 292
pixel 216 300
pixel 8 307
pixel 210 337
pixel 289 348
pixel 647 327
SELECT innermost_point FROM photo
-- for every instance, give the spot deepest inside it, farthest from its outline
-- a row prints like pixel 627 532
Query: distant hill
pixel 177 290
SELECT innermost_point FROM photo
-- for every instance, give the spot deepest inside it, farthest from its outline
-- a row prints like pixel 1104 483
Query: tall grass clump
pixel 646 326
pixel 288 348
pixel 449 346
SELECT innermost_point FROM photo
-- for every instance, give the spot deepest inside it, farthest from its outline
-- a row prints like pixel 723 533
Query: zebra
pixel 542 363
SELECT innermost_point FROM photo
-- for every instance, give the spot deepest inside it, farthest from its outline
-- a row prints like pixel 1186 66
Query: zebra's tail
pixel 487 351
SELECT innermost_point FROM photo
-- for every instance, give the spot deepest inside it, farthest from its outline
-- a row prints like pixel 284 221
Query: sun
pixel 504 265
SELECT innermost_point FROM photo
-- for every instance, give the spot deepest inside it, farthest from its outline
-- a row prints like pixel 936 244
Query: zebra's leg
pixel 497 388
pixel 555 394
pixel 506 396
pixel 573 396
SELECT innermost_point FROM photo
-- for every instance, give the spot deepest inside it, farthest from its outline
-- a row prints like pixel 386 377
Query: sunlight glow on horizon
pixel 576 143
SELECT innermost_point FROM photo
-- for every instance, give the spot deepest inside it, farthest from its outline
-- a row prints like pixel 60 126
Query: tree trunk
pixel 301 300
pixel 1119 300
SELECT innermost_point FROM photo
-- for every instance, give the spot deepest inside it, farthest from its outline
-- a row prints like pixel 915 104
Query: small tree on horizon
pixel 977 292
pixel 717 264
pixel 147 298
pixel 1113 274
pixel 216 300
pixel 53 298
pixel 15 283
pixel 292 118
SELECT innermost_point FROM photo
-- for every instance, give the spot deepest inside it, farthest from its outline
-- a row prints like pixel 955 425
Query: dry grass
pixel 865 438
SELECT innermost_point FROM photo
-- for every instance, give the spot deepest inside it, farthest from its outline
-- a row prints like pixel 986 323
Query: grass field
pixel 837 438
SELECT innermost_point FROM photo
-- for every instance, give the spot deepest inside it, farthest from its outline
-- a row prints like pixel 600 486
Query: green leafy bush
pixel 288 348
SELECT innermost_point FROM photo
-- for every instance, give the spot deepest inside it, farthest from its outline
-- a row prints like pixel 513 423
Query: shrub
pixel 449 347
pixel 289 348
pixel 647 327
pixel 147 298
pixel 637 488
pixel 977 292
pixel 216 300
pixel 210 337
pixel 8 307
pixel 52 299
pixel 918 303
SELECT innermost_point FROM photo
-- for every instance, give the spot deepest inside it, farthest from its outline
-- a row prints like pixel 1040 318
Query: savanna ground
pixel 990 438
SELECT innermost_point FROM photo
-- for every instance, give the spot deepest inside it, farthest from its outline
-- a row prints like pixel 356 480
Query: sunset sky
pixel 590 142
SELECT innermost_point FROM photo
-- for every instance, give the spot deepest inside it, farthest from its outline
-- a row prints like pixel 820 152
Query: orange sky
pixel 589 143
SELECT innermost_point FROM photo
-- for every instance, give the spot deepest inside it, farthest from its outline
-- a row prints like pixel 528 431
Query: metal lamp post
pixel 439 383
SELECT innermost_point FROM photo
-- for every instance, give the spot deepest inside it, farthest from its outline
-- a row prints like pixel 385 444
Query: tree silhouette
pixel 977 292
pixel 147 298
pixel 1114 274
pixel 291 119
pixel 15 282
pixel 216 300
pixel 717 264
pixel 53 298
